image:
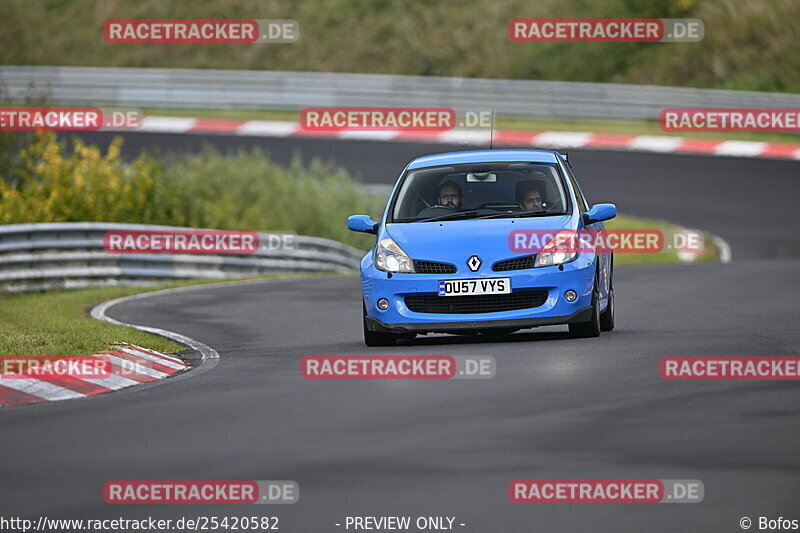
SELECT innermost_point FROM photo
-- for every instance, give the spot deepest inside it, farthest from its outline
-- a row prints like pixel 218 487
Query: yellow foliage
pixel 54 181
pixel 79 183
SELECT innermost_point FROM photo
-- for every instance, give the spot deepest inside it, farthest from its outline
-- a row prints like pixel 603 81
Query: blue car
pixel 468 244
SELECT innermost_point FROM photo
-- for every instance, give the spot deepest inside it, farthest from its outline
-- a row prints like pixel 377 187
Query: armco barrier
pixel 252 89
pixel 69 255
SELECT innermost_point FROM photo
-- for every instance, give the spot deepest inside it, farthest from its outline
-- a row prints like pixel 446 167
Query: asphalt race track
pixel 558 407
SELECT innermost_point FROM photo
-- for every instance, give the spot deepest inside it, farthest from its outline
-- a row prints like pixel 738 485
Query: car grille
pixel 432 267
pixel 516 263
pixel 483 303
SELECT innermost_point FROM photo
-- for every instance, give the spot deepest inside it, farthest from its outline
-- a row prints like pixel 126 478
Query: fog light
pixel 569 296
pixel 383 304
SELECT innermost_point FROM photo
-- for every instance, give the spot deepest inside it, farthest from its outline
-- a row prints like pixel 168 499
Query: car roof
pixel 484 156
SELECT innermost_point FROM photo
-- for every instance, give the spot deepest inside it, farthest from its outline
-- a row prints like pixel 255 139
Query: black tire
pixel 591 328
pixel 607 316
pixel 374 338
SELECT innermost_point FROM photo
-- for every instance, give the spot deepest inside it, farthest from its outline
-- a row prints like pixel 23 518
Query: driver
pixel 450 195
pixel 529 196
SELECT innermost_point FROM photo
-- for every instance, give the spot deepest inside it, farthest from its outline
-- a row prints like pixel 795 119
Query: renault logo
pixel 474 263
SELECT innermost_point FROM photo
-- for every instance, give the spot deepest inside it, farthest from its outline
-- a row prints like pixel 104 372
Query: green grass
pixel 626 127
pixel 748 44
pixel 57 322
pixel 712 253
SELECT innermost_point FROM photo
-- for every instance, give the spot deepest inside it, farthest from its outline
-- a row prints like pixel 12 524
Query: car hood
pixel 455 241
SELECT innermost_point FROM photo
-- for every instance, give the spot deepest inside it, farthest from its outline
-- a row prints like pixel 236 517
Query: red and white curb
pixel 19 391
pixel 149 364
pixel 529 139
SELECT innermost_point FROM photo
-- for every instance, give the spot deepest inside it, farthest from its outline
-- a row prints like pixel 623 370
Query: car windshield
pixel 480 190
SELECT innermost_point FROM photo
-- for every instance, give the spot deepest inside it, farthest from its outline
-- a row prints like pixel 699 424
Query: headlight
pixel 561 249
pixel 391 258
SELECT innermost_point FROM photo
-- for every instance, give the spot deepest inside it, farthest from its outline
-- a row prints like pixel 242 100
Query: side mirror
pixel 362 223
pixel 599 213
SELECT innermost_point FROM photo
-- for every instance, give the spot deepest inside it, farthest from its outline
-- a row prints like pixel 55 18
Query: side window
pixel 581 200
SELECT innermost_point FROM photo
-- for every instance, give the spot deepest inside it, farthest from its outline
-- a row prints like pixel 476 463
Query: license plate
pixel 465 287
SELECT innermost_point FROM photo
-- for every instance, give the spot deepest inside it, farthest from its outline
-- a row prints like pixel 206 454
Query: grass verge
pixel 57 323
pixel 710 254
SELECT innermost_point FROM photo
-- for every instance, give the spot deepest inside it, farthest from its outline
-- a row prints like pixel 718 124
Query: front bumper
pixel 577 275
pixel 373 324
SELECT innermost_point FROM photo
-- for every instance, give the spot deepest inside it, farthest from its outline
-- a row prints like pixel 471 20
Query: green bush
pixel 245 191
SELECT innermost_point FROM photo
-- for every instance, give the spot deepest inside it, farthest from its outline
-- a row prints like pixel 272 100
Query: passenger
pixel 529 196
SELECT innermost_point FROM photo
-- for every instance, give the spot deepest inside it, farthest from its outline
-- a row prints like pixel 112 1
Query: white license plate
pixel 465 287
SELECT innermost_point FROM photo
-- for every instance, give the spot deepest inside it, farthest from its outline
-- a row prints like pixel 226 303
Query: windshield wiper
pixel 449 216
pixel 536 214
pixel 469 214
pixel 512 214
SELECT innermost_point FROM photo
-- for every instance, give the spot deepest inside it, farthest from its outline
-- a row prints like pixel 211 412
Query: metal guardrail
pixel 250 89
pixel 70 255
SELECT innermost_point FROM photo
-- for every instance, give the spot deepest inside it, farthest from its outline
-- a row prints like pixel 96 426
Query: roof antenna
pixel 491 132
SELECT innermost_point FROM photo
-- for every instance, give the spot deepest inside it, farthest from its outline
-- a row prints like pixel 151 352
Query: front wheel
pixel 607 316
pixel 592 327
pixel 374 338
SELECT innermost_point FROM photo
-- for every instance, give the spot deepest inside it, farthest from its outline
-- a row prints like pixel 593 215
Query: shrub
pixel 245 190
